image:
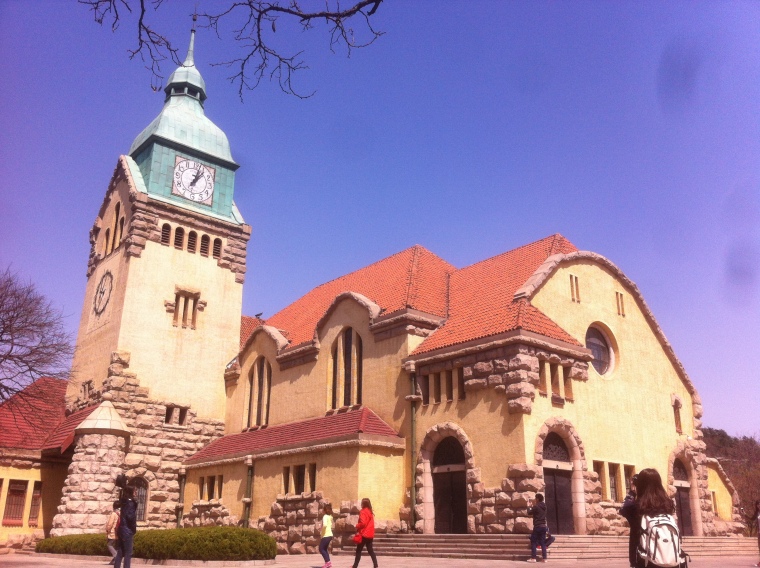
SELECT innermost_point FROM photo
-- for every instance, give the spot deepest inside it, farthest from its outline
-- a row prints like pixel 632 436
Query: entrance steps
pixel 517 547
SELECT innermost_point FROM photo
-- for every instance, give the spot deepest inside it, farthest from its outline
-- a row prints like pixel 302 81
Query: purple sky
pixel 632 128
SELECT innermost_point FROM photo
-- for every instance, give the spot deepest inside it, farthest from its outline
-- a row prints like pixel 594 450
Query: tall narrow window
pixel 251 394
pixel 201 487
pixel 555 370
pixel 205 245
pixel 300 478
pixel 677 414
pixel 166 234
pixel 107 249
pixel 217 252
pixel 600 471
pixel 14 504
pixel 359 369
pixel 460 384
pixel 114 242
pixel 424 385
pixel 141 496
pixel 347 375
pixel 335 377
pixel 286 479
pixel 614 495
pixel 121 231
pixel 268 393
pixel 568 383
pixel 192 241
pixel 312 477
pixel 179 238
pixel 219 486
pixel 620 303
pixel 542 381
pixel 575 292
pixel 628 472
pixel 437 388
pixel 449 386
pixel 260 387
pixel 211 481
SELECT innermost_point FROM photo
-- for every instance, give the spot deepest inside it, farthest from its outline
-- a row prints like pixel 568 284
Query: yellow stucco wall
pixel 52 477
pixel 625 416
pixel 382 481
pixel 723 500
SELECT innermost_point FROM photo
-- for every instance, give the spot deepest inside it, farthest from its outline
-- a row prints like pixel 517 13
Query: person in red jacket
pixel 366 528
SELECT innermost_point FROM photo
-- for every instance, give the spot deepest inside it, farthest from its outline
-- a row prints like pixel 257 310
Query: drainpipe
pixel 413 398
pixel 181 504
pixel 248 492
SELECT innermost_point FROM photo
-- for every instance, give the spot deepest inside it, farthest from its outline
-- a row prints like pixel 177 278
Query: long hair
pixel 651 498
pixel 367 504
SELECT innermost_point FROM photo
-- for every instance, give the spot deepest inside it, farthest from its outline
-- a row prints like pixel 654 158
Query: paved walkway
pixel 315 561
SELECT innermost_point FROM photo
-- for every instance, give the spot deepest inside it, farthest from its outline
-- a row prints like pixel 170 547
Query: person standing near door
pixel 540 528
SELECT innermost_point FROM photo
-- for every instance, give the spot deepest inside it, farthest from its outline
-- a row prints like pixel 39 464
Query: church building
pixel 448 396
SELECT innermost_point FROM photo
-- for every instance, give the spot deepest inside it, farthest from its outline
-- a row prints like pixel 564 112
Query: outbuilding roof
pixel 26 417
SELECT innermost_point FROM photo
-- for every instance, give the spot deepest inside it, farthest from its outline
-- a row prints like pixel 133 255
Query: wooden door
pixel 450 501
pixel 559 501
pixel 683 511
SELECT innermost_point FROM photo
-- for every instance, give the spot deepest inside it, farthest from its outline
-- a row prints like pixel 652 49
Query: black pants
pixel 370 550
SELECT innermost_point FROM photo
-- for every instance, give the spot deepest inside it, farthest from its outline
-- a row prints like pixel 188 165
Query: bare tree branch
pixel 33 340
pixel 253 23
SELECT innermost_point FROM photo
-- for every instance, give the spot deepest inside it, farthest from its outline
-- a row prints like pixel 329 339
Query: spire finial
pixel 190 57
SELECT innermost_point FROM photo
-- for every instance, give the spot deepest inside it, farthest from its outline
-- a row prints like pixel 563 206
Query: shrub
pixel 202 543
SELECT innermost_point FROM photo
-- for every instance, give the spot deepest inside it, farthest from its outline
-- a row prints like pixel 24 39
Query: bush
pixel 203 543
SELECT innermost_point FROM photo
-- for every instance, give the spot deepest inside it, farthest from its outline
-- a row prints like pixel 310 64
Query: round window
pixel 600 349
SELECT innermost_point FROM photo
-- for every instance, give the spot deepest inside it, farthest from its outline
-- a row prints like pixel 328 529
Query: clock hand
pixel 197 176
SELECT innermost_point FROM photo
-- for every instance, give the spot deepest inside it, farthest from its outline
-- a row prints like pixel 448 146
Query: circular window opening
pixel 597 342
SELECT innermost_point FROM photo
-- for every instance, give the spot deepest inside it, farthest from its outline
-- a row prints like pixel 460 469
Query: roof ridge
pixel 510 251
pixel 411 292
pixel 363 418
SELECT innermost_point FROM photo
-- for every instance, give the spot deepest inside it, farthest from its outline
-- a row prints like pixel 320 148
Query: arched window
pixel 192 241
pixel 166 234
pixel 347 368
pixel 107 247
pixel 115 225
pixel 600 349
pixel 217 248
pixel 204 245
pixel 679 471
pixel 140 486
pixel 259 391
pixel 121 230
pixel 555 448
pixel 179 238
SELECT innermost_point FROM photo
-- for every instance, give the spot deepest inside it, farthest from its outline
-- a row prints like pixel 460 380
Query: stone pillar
pixel 89 490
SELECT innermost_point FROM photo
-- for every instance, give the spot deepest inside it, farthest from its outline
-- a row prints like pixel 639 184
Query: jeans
pixel 370 550
pixel 538 537
pixel 323 548
pixel 112 543
pixel 124 550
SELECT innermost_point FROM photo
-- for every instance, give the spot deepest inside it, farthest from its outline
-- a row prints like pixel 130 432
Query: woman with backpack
pixel 365 533
pixel 652 512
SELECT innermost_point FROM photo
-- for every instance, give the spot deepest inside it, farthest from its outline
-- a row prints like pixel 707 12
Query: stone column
pixel 89 491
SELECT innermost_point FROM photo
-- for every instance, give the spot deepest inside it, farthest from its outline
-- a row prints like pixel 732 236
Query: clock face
pixel 193 180
pixel 103 293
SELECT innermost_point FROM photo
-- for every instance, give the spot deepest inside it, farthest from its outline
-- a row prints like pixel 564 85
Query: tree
pixel 254 22
pixel 33 340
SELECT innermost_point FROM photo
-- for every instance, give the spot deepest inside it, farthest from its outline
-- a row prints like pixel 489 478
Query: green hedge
pixel 203 543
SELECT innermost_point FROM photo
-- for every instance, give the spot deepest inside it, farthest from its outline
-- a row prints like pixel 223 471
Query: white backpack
pixel 660 542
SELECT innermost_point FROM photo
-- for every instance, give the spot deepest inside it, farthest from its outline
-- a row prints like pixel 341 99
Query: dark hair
pixel 539 498
pixel 328 509
pixel 366 504
pixel 128 492
pixel 117 504
pixel 651 498
pixel 757 508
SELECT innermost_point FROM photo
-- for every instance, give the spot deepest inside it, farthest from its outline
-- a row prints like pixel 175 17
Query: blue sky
pixel 632 128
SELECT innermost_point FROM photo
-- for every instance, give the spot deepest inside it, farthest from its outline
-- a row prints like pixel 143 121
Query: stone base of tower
pixel 162 434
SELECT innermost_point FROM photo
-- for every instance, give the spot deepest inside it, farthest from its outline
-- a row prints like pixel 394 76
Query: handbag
pixel 358 538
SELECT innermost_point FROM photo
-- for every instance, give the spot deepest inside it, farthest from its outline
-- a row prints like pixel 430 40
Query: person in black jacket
pixel 127 528
pixel 628 512
pixel 540 528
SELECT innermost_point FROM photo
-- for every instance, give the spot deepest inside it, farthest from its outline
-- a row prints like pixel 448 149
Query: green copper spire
pixel 187 78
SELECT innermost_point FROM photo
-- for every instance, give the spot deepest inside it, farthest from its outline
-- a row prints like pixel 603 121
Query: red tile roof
pixel 481 300
pixel 247 325
pixel 62 435
pixel 413 278
pixel 309 431
pixel 27 418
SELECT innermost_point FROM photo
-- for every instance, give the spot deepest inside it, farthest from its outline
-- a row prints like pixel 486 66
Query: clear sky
pixel 632 128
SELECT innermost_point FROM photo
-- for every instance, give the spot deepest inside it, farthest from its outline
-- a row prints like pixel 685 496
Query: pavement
pixel 315 561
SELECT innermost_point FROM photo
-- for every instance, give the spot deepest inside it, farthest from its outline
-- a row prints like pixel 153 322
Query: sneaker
pixel 531 560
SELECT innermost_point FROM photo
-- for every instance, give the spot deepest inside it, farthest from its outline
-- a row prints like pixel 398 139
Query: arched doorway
pixel 558 473
pixel 683 498
pixel 449 487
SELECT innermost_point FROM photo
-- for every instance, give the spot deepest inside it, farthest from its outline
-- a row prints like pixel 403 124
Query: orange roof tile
pixel 481 300
pixel 309 431
pixel 413 278
pixel 27 418
pixel 247 325
pixel 63 434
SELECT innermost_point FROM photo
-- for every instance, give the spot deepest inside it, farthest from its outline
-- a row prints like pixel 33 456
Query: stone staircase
pixel 517 547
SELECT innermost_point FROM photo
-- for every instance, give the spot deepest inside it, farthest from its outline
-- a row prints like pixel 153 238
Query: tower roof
pixel 183 120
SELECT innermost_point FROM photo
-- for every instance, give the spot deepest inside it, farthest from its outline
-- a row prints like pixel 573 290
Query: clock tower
pixel 167 262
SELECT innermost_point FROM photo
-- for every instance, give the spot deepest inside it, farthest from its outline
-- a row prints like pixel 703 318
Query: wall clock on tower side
pixel 103 293
pixel 193 180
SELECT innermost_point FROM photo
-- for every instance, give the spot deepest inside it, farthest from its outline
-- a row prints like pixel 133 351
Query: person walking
pixel 327 535
pixel 756 518
pixel 365 529
pixel 627 511
pixel 127 528
pixel 651 500
pixel 540 528
pixel 111 524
